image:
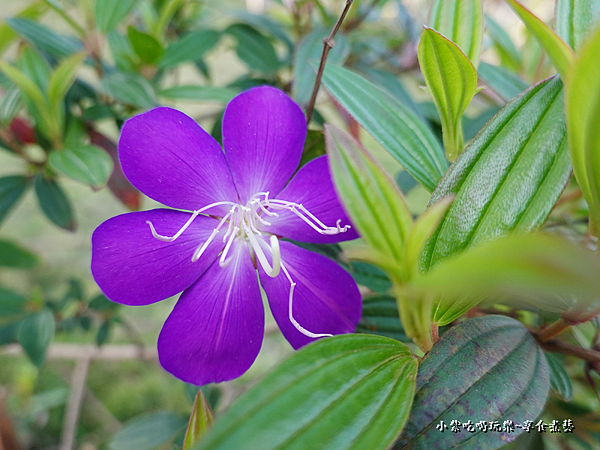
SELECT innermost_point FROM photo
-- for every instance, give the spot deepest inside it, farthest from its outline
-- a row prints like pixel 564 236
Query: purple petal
pixel 326 298
pixel 312 187
pixel 263 137
pixel 134 268
pixel 216 329
pixel 167 156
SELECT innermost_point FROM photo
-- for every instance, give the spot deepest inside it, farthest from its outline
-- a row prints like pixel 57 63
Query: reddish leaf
pixel 23 130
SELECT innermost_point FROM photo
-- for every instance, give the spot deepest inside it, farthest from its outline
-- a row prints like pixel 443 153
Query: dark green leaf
pixel 504 44
pixel 370 276
pixel 35 334
pixel 307 403
pixel 11 303
pixel 267 25
pixel 56 45
pixel 102 303
pixel 461 22
pixel 8 333
pixel 11 189
pixel 472 126
pixel 103 333
pixel 484 369
pixel 191 47
pixel 575 18
pixel 509 176
pixel 504 83
pixel 86 163
pixel 131 89
pixel 380 316
pixel 199 93
pixel 16 257
pixel 314 146
pixel 54 203
pixel 145 46
pixel 310 50
pixel 109 13
pixel 148 431
pixel 254 48
pixel 392 124
pixel 122 52
pixel 559 379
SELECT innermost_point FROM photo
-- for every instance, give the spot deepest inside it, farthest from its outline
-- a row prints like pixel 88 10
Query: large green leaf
pixel 86 163
pixel 461 21
pixel 488 369
pixel 35 334
pixel 575 18
pixel 254 48
pixel 391 123
pixel 191 47
pixel 509 176
pixel 11 189
pixel 583 115
pixel 148 431
pixel 310 49
pixel 56 45
pixel 16 257
pixel 54 203
pixel 373 201
pixel 146 46
pixel 559 53
pixel 504 83
pixel 452 81
pixel 345 392
pixel 109 13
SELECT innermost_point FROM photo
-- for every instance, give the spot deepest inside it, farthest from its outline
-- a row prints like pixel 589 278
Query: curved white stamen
pixel 222 262
pixel 272 271
pixel 298 327
pixel 198 252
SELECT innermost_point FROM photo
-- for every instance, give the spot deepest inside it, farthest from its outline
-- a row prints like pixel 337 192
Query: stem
pixel 552 330
pixel 356 22
pixel 558 346
pixel 327 46
pixel 80 31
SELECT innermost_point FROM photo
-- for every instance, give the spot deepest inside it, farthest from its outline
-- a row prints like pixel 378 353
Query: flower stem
pixel 327 46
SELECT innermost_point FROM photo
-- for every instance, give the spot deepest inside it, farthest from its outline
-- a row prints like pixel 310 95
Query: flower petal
pixel 167 156
pixel 312 187
pixel 263 137
pixel 216 328
pixel 326 298
pixel 134 268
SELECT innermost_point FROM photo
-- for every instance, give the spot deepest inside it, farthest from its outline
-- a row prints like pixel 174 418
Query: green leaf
pixel 16 257
pixel 54 203
pixel 504 83
pixel 460 380
pixel 11 189
pixel 8 333
pixel 191 47
pixel 27 86
pixel 35 334
pixel 314 146
pixel 306 404
pixel 509 176
pixel 370 276
pixel 264 23
pixel 34 67
pixel 543 271
pixel 310 49
pixel 56 45
pixel 148 431
pixel 33 11
pixel 63 78
pixel 372 200
pixel 129 88
pixel 199 93
pixel 11 303
pixel 461 22
pixel 200 421
pixel 393 125
pixel 575 19
pixel 559 53
pixel 86 163
pixel 109 13
pixel 583 115
pixel 10 106
pixel 504 45
pixel 380 317
pixel 452 82
pixel 145 46
pixel 559 379
pixel 254 48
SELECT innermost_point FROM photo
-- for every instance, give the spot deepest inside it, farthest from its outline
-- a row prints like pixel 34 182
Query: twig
pixel 558 346
pixel 67 439
pixel 552 330
pixel 328 44
pixel 356 22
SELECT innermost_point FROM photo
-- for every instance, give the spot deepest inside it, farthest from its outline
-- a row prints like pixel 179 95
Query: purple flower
pixel 241 205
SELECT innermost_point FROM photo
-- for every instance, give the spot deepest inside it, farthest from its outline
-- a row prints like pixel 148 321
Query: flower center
pixel 243 222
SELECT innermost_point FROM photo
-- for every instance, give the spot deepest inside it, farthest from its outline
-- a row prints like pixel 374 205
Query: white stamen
pixel 222 262
pixel 272 271
pixel 298 327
